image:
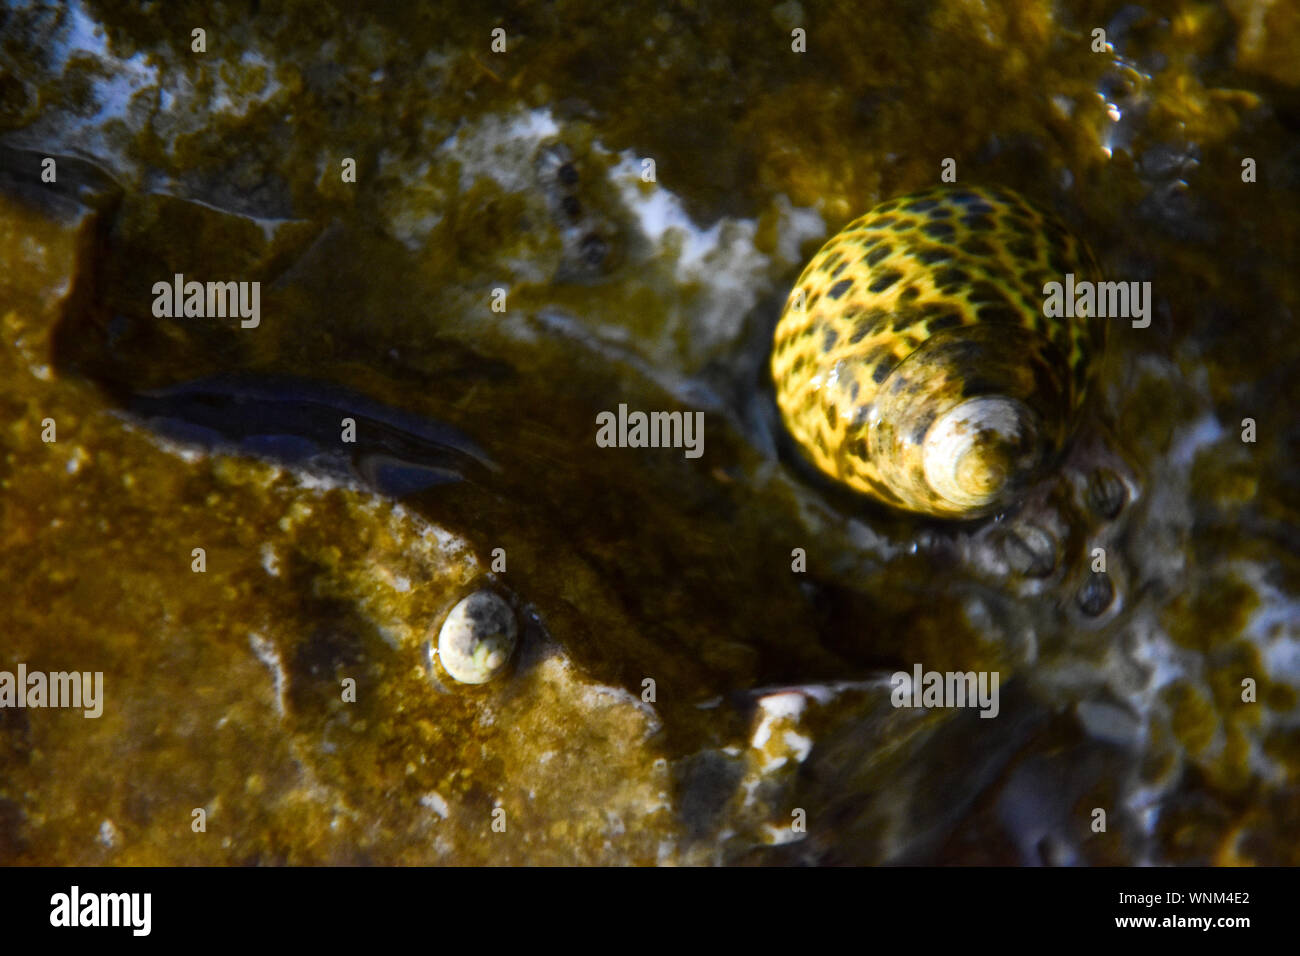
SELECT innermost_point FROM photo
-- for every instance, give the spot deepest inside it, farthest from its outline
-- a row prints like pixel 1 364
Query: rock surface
pixel 681 693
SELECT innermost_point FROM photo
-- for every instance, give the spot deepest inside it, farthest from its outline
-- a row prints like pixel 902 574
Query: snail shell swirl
pixel 913 361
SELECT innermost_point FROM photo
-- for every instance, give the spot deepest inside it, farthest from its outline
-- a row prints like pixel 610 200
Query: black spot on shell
pixel 884 222
pixel 982 292
pixel 878 255
pixel 839 288
pixel 946 321
pixel 976 247
pixel 882 370
pixel 922 427
pixel 939 230
pixel 934 256
pixel 1019 222
pixel 884 281
pixel 940 212
pixel 904 319
pixel 828 342
pixel 904 225
pixel 882 490
pixel 853 390
pixel 888 206
pixel 878 355
pixel 838 269
pixel 1006 197
pixel 978 223
pixel 980 209
pixel 908 294
pixel 859 333
pixel 921 205
pixel 572 208
pixel 1022 249
pixel 998 313
pixel 950 275
pixel 832 417
pixel 963 197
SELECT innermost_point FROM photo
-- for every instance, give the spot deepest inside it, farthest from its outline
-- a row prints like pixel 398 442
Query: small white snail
pixel 477 638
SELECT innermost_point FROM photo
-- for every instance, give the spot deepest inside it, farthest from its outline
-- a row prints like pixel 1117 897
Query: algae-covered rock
pixel 467 259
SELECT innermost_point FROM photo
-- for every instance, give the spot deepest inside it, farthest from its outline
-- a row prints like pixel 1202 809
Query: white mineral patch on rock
pixel 712 277
pixel 721 261
pixel 776 741
pixel 435 802
pixel 500 147
pixel 136 91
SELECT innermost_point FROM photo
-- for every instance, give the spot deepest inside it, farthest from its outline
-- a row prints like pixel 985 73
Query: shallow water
pixel 522 171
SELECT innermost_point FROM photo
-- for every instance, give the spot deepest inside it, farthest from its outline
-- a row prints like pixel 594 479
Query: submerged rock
pixel 250 531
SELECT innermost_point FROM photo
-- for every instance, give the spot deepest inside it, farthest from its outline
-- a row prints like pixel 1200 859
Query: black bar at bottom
pixel 334 905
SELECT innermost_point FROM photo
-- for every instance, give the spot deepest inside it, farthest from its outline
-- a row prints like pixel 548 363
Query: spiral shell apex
pixel 913 361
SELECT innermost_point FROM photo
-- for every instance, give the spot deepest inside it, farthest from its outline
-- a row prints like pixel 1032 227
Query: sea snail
pixel 477 638
pixel 913 361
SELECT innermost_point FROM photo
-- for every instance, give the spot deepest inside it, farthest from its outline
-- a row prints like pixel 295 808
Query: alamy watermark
pixel 75 908
pixel 651 430
pixel 57 689
pixel 939 689
pixel 210 300
pixel 1105 300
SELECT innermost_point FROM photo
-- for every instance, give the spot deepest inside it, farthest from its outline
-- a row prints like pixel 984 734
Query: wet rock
pixel 680 688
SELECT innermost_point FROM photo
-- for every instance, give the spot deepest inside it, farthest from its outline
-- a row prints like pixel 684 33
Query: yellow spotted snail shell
pixel 913 361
